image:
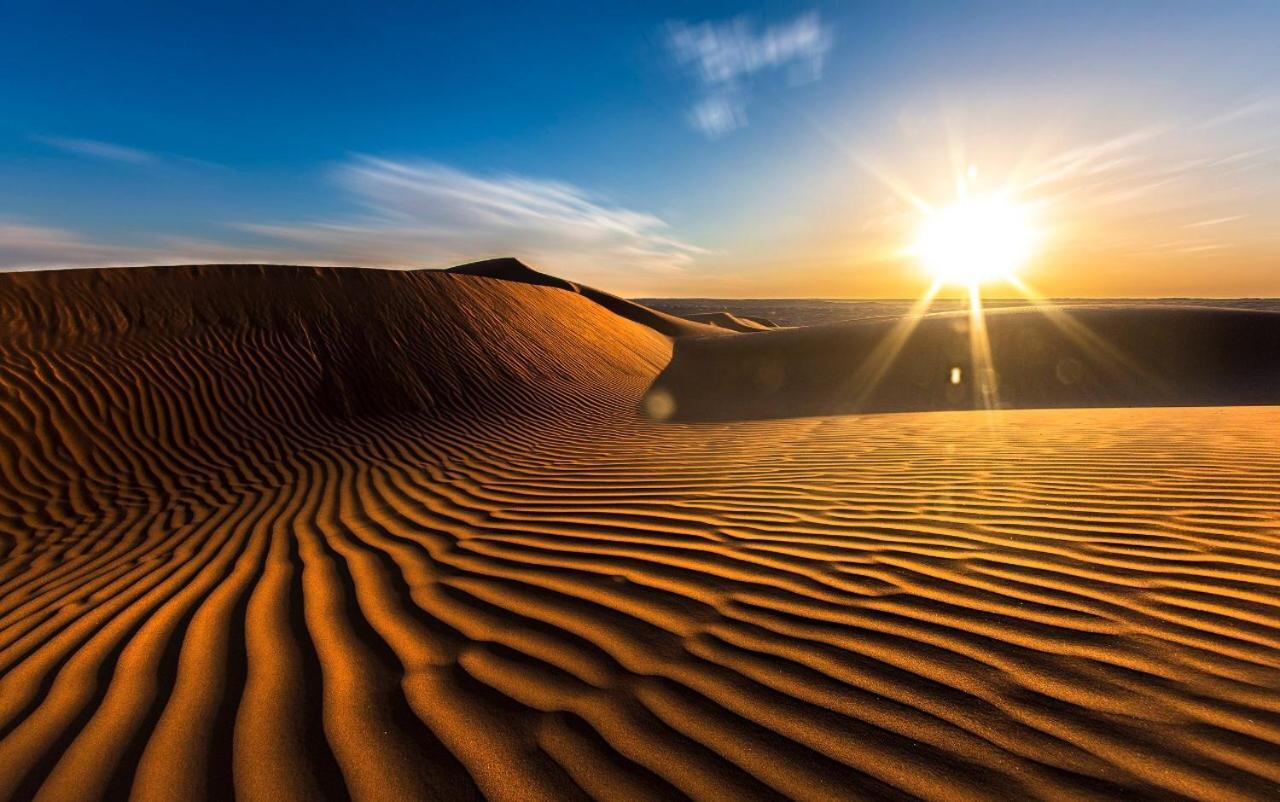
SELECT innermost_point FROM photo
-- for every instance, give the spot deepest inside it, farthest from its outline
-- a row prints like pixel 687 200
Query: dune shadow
pixel 1078 356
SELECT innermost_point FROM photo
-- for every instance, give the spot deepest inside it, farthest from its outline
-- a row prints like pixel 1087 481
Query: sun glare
pixel 977 240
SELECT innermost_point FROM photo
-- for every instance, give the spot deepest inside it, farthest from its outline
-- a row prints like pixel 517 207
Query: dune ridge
pixel 298 533
pixel 728 320
pixel 508 269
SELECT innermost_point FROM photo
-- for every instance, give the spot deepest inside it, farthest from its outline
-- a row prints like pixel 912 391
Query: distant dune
pixel 307 533
pixel 1075 356
pixel 819 311
pixel 727 320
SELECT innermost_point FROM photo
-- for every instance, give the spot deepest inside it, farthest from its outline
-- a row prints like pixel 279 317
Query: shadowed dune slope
pixel 288 533
pixel 1077 356
pixel 346 340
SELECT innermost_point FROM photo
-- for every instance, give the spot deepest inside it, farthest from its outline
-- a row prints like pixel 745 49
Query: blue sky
pixel 713 148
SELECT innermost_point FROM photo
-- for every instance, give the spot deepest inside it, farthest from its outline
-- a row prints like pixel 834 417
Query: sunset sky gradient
pixel 773 150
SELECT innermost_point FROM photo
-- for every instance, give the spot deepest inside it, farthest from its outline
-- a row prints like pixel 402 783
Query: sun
pixel 976 240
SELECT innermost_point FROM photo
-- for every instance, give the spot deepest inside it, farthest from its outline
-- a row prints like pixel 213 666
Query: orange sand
pixel 294 533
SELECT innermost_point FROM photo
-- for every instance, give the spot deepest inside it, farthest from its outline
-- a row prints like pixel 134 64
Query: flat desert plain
pixel 278 533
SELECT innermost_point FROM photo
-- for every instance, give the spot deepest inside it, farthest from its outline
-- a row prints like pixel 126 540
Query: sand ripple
pixel 310 549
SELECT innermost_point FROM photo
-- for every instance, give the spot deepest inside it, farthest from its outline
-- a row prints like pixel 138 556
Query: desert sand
pixel 728 320
pixel 305 533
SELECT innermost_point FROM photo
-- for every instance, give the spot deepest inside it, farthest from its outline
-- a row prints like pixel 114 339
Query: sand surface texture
pixel 292 533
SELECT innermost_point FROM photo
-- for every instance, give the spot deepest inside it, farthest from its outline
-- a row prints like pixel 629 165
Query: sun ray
pixel 959 160
pixel 1107 356
pixel 899 187
pixel 872 370
pixel 893 183
pixel 985 391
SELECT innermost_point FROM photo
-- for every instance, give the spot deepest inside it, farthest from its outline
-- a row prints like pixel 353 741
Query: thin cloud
pixel 94 149
pixel 416 214
pixel 1254 107
pixel 727 55
pixel 717 115
pixel 35 247
pixel 424 213
pixel 122 154
pixel 1211 246
pixel 1216 221
pixel 29 246
pixel 1107 156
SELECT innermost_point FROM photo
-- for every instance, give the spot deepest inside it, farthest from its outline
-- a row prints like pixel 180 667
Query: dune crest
pixel 508 269
pixel 728 320
pixel 309 533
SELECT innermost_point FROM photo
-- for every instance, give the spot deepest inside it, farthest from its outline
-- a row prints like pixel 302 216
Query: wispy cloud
pixel 424 213
pixel 94 149
pixel 726 55
pixel 1209 246
pixel 121 154
pixel 1257 106
pixel 416 214
pixel 26 245
pixel 1185 175
pixel 717 115
pixel 1096 158
pixel 1216 221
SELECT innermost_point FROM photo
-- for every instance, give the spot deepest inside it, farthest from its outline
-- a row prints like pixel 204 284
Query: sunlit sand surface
pixel 290 533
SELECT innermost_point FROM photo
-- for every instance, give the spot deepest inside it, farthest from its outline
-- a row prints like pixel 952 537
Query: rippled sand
pixel 288 533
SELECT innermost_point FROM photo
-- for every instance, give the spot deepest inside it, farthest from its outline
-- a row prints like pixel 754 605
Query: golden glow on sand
pixel 976 240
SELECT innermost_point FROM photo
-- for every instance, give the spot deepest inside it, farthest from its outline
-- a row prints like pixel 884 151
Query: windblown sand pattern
pixel 287 533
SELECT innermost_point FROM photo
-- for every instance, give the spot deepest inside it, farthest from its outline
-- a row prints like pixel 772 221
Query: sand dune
pixel 295 533
pixel 1074 356
pixel 728 320
pixel 515 271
